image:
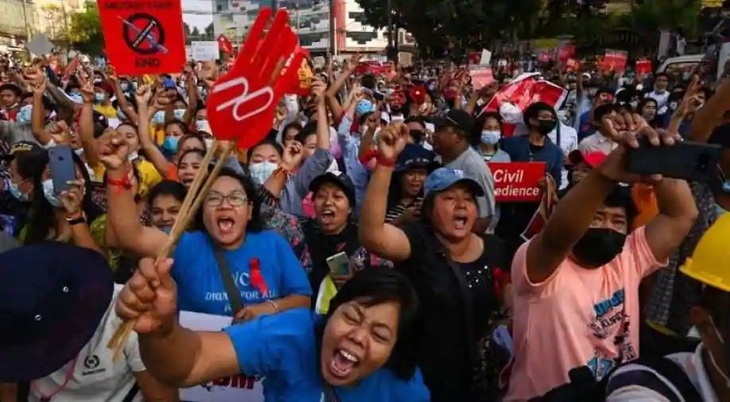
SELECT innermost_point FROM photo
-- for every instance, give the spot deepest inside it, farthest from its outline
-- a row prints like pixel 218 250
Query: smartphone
pixel 691 161
pixel 339 264
pixel 62 167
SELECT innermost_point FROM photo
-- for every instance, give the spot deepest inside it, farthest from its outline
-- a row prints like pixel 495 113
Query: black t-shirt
pixel 452 316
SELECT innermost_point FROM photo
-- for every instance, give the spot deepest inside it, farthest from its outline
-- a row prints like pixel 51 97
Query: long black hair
pixel 371 287
pixel 42 219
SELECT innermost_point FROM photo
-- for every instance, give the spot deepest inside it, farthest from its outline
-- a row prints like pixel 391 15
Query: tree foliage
pixel 84 30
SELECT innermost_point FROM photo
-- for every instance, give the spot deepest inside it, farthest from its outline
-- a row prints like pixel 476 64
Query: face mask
pixel 179 113
pixel 79 151
pixel 599 246
pixel 686 76
pixel 544 127
pixel 170 144
pixel 99 97
pixel 634 104
pixel 24 114
pixel 134 85
pixel 15 192
pixel 124 86
pixel 167 229
pixel 490 137
pixel 76 98
pixel 50 194
pixel 261 171
pixel 363 106
pixel 97 80
pixel 202 125
pixel 132 156
pixel 159 118
pixel 673 106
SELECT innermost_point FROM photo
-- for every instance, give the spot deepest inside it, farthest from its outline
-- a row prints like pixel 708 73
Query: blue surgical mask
pixel 99 97
pixel 76 98
pixel 490 137
pixel 50 194
pixel 15 192
pixel 179 113
pixel 261 171
pixel 159 118
pixel 166 228
pixel 24 114
pixel 363 106
pixel 170 144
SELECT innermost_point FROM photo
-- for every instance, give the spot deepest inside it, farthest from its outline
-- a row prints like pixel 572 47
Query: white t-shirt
pixel 95 377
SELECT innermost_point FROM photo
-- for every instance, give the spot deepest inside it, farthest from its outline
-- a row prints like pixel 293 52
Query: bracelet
pixel 385 162
pixel 125 182
pixel 274 305
pixel 368 156
pixel 75 221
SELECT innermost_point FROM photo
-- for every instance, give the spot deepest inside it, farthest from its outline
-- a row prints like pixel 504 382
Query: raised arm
pixel 86 126
pixel 154 155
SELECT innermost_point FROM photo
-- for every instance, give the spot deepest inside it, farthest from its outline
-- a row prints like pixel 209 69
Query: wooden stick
pixel 186 213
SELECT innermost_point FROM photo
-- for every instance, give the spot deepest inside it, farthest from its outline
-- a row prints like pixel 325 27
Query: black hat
pixel 21 147
pixel 54 297
pixel 456 118
pixel 339 179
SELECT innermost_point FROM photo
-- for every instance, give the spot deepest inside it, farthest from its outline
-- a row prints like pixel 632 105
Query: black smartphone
pixel 62 167
pixel 691 161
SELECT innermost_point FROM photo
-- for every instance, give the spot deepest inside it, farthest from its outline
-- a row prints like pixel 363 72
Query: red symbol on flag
pixel 257 278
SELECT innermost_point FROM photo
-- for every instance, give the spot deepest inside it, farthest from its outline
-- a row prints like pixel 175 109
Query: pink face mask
pixel 308 206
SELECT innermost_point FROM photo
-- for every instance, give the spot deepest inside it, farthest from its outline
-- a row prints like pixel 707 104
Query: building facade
pixel 311 19
pixel 19 19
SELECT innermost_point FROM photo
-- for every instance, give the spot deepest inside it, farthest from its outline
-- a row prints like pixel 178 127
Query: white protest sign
pixel 39 45
pixel 233 389
pixel 205 50
pixel 486 57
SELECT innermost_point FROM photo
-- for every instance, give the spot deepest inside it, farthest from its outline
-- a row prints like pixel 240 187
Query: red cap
pixel 592 159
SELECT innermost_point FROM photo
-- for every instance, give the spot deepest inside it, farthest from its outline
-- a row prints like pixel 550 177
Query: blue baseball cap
pixel 443 178
pixel 415 156
pixel 54 296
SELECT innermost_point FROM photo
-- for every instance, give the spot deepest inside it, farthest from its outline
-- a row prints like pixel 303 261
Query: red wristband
pixel 368 156
pixel 382 161
pixel 125 182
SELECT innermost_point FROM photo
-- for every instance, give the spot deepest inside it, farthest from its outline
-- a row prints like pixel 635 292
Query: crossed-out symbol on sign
pixel 144 34
pixel 240 100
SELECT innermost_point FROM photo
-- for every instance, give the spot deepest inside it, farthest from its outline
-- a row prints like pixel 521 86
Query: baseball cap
pixel 454 118
pixel 21 147
pixel 415 156
pixel 339 179
pixel 443 178
pixel 592 159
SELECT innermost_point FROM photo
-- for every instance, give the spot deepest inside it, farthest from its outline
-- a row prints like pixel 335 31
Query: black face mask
pixel 599 246
pixel 417 136
pixel 544 127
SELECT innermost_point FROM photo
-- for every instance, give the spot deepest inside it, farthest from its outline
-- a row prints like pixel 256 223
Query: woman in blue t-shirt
pixel 267 276
pixel 360 352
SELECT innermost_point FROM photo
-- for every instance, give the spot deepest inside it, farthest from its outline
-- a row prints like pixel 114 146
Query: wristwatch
pixel 78 220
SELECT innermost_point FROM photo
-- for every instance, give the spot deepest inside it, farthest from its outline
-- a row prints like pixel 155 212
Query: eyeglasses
pixel 235 199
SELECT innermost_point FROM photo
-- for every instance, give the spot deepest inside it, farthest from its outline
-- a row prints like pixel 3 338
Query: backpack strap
pixel 665 377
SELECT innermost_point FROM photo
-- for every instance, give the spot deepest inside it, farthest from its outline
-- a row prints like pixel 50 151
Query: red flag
pixel 257 279
pixel 224 44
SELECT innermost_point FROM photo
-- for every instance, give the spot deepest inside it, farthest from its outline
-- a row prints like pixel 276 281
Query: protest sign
pixel 614 61
pixel 243 100
pixel 517 181
pixel 481 76
pixel 643 67
pixel 485 58
pixel 143 37
pixel 205 50
pixel 233 389
pixel 39 45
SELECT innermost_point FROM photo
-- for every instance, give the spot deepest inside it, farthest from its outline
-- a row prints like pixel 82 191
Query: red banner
pixel 224 44
pixel 643 67
pixel 565 52
pixel 481 77
pixel 517 181
pixel 614 61
pixel 143 37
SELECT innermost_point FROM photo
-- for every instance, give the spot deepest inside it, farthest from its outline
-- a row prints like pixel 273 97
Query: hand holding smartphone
pixel 62 167
pixel 339 265
pixel 687 160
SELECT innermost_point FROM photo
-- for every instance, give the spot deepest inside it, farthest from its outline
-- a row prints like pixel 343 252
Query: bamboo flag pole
pixel 193 200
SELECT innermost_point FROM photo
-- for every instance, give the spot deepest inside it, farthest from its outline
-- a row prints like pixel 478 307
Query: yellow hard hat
pixel 710 262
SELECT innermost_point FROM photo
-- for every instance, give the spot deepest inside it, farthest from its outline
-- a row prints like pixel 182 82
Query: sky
pixel 199 7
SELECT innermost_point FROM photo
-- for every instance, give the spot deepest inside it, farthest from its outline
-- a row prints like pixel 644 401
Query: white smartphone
pixel 339 264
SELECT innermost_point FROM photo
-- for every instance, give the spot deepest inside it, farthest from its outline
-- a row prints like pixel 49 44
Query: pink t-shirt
pixel 577 317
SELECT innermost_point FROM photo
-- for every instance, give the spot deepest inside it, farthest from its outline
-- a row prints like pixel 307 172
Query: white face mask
pixel 202 125
pixel 132 156
pixel 179 113
pixel 261 171
pixel 50 194
pixel 79 151
pixel 712 358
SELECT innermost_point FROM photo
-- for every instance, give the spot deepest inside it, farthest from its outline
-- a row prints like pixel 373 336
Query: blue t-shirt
pixel 200 287
pixel 281 348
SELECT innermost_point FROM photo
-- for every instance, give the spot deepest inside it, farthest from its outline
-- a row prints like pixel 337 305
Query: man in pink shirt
pixel 576 283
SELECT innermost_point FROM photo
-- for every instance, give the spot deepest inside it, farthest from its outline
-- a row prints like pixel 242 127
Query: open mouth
pixel 460 221
pixel 327 216
pixel 225 225
pixel 343 363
